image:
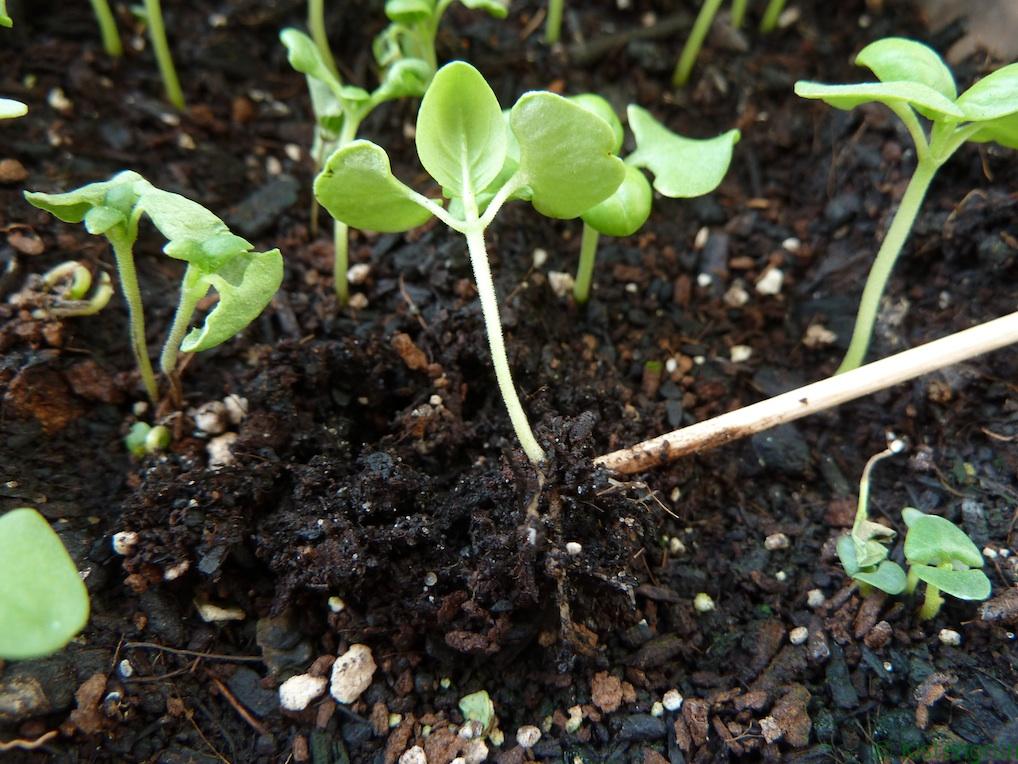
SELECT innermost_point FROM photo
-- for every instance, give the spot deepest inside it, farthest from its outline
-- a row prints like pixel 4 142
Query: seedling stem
pixel 192 289
pixel 771 16
pixel 124 255
pixel 553 25
pixel 108 28
pixel 316 24
pixel 161 48
pixel 585 270
pixel 738 14
pixel 697 35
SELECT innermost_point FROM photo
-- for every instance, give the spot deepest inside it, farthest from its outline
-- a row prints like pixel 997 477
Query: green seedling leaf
pixel 924 98
pixel 624 212
pixel 245 285
pixel 595 104
pixel 566 155
pixel 993 97
pixel 5 20
pixel 304 57
pixel 963 584
pixel 1003 131
pixel 11 109
pixel 933 540
pixel 682 167
pixel 461 135
pixel 896 59
pixel 43 602
pixel 478 707
pixel 884 574
pixel 409 11
pixel 498 9
pixel 357 187
pixel 193 233
pixel 116 197
pixel 404 79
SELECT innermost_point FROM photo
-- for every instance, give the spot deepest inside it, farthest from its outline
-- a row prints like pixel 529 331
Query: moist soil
pixel 373 492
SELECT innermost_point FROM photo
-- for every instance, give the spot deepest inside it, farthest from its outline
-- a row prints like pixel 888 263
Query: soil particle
pixel 87 717
pixel 694 714
pixel 34 688
pixel 43 393
pixel 933 688
pixel 790 714
pixel 657 651
pixel 640 727
pixel 247 686
pixel 606 692
pixel 838 681
pixel 351 673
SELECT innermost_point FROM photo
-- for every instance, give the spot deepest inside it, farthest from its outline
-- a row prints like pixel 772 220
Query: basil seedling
pixel 43 602
pixel 216 258
pixel 67 285
pixel 152 13
pixel 915 83
pixel 564 166
pixel 682 168
pixel 107 28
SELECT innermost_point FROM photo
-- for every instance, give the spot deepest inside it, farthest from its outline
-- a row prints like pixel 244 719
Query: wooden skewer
pixel 814 397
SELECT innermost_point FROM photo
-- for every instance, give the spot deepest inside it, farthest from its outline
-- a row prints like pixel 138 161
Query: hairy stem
pixel 585 270
pixel 771 16
pixel 889 251
pixel 496 343
pixel 192 289
pixel 697 35
pixel 553 24
pixel 108 28
pixel 161 48
pixel 738 12
pixel 122 251
pixel 316 24
pixel 931 603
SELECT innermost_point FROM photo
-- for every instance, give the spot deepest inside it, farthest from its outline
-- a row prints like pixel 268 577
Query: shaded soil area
pixel 343 477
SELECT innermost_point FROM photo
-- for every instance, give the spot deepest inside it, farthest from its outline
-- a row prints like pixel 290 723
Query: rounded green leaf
pixel 119 193
pixel 887 576
pixel 358 188
pixel 895 59
pixel 461 136
pixel 1003 131
pixel 11 109
pixel 246 284
pixel 595 104
pixel 566 155
pixel 99 220
pixel 624 212
pixel 933 540
pixel 682 167
pixel 43 602
pixel 407 78
pixel 994 96
pixel 924 98
pixel 963 584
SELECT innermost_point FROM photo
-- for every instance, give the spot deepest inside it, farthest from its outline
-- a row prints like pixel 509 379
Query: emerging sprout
pixel 144 439
pixel 564 165
pixel 153 15
pixel 43 602
pixel 216 258
pixel 682 168
pixel 107 28
pixel 915 83
pixel 68 285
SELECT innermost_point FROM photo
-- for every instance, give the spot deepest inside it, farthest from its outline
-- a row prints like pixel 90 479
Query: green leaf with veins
pixel 116 196
pixel 461 135
pixel 971 584
pixel 246 284
pixel 598 105
pixel 682 167
pixel 993 97
pixel 933 540
pixel 924 98
pixel 357 187
pixel 566 156
pixel 897 59
pixel 624 212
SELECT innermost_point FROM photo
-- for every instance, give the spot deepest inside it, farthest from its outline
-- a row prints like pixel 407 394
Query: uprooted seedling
pixel 562 161
pixel 63 292
pixel 915 83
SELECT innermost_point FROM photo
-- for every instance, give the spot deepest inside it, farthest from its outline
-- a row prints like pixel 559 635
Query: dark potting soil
pixel 374 463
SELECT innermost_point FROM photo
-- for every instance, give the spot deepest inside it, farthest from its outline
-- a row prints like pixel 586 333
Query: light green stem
pixel 585 270
pixel 122 252
pixel 738 12
pixel 192 289
pixel 107 28
pixel 161 48
pixel 341 262
pixel 496 343
pixel 931 603
pixel 890 249
pixel 771 16
pixel 316 23
pixel 553 24
pixel 697 35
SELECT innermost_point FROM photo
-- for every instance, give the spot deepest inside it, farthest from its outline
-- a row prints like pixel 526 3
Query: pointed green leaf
pixel 11 109
pixel 357 187
pixel 43 602
pixel 846 554
pixel 595 104
pixel 193 233
pixel 932 540
pixel 624 212
pixel 118 193
pixel 887 576
pixel 922 97
pixel 682 167
pixel 1003 131
pixel 910 515
pixel 5 20
pixel 497 9
pixel 963 584
pixel 461 135
pixel 994 96
pixel 897 59
pixel 304 57
pixel 409 11
pixel 246 284
pixel 566 155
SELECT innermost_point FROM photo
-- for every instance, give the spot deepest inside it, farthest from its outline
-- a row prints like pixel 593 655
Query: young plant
pixel 915 83
pixel 245 280
pixel 316 25
pixel 107 28
pixel 553 24
pixel 682 168
pixel 152 13
pixel 67 285
pixel 43 602
pixel 144 439
pixel 565 165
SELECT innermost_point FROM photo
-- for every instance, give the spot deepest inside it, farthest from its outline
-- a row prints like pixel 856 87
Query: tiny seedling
pixel 143 439
pixel 562 161
pixel 244 280
pixel 553 24
pixel 151 13
pixel 915 83
pixel 43 602
pixel 107 28
pixel 316 25
pixel 682 168
pixel 67 286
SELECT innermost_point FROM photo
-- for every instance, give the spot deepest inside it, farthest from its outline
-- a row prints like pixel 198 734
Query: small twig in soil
pixel 195 653
pixel 256 725
pixel 815 397
pixel 28 745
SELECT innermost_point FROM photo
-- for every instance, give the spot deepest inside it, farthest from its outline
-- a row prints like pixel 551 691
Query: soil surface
pixel 361 484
